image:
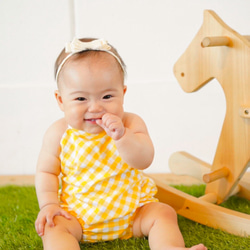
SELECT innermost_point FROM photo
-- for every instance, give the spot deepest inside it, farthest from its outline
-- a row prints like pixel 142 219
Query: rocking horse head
pixel 210 54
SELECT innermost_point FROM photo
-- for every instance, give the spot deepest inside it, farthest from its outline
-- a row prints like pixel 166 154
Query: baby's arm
pixel 131 137
pixel 48 169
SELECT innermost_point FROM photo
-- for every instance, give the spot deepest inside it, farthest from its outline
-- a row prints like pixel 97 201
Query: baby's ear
pixel 124 89
pixel 59 100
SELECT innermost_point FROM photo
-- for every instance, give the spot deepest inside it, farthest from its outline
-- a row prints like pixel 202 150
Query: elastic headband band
pixel 77 46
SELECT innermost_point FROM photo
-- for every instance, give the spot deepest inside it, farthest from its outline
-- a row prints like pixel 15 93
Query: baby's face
pixel 89 88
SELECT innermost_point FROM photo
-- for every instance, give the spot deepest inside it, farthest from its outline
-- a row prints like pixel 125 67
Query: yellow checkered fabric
pixel 101 190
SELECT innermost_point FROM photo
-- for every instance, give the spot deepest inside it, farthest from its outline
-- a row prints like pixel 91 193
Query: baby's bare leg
pixel 66 234
pixel 158 221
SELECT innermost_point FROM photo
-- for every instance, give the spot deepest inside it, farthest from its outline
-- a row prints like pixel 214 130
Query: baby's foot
pixel 198 247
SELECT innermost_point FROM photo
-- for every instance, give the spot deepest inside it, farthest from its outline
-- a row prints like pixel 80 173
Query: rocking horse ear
pixel 208 15
pixel 211 17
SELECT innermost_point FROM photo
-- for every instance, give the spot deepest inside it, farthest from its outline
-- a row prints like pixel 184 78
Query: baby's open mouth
pixel 92 119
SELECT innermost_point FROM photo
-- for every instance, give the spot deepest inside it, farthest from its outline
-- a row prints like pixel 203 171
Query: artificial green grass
pixel 18 211
pixel 19 208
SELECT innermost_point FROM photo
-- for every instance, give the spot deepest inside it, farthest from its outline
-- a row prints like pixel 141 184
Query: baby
pixel 99 150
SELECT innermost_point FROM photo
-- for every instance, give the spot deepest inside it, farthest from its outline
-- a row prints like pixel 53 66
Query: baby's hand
pixel 46 215
pixel 113 125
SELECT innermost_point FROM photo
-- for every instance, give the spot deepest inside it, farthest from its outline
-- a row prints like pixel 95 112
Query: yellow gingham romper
pixel 98 188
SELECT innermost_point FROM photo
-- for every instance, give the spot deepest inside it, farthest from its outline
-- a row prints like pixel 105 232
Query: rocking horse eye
pixel 182 74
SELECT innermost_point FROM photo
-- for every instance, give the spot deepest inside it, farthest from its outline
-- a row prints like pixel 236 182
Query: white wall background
pixel 150 36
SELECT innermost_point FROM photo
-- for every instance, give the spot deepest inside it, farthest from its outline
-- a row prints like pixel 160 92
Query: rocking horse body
pixel 219 52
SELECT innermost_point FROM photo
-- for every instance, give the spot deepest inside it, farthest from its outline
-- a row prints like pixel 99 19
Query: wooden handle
pixel 215 175
pixel 215 41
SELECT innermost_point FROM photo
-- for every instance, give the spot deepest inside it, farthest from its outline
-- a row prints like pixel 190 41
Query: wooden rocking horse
pixel 218 52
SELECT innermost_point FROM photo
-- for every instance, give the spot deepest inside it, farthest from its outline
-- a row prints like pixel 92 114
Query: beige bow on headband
pixel 77 46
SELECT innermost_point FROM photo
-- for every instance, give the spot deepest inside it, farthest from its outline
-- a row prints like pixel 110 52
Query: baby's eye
pixel 81 99
pixel 107 96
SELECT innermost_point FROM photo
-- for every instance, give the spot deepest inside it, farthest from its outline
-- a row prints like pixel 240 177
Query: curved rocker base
pixel 203 212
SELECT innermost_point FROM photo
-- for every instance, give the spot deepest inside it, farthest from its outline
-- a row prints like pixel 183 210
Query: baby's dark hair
pixel 89 52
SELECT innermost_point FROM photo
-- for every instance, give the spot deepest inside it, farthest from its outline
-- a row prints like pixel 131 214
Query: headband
pixel 77 46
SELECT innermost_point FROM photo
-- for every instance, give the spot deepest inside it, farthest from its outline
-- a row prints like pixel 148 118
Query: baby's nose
pixel 95 107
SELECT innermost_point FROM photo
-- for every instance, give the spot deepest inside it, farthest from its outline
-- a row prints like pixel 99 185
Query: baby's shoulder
pixel 132 120
pixel 55 132
pixel 131 116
